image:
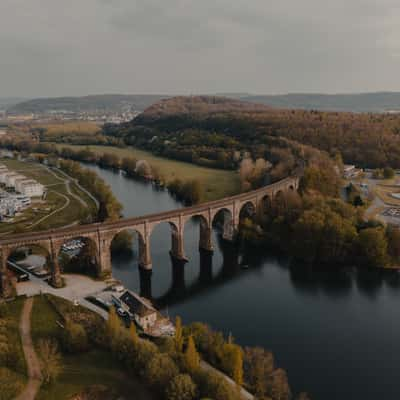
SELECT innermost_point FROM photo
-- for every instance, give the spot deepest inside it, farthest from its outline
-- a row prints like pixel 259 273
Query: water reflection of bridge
pixel 205 281
pixel 99 236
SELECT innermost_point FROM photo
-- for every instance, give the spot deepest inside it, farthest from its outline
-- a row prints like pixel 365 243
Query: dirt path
pixel 32 361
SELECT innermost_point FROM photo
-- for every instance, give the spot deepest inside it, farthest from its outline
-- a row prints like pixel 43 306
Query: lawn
pixel 82 370
pixel 217 183
pixel 57 197
pixel 12 362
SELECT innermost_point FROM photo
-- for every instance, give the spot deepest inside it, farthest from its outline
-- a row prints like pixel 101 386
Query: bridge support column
pixel 230 230
pixel 6 288
pixel 104 266
pixel 206 238
pixel 145 254
pixel 56 279
pixel 177 246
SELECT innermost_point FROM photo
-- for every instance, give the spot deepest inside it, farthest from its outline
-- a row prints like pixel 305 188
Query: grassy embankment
pixel 10 342
pixel 217 183
pixel 82 370
pixel 58 198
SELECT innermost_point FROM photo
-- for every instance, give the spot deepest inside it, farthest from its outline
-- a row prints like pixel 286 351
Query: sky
pixel 79 47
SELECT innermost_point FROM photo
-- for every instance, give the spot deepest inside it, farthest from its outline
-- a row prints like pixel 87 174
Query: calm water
pixel 337 333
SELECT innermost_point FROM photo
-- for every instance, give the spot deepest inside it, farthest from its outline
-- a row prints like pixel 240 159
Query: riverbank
pixel 217 183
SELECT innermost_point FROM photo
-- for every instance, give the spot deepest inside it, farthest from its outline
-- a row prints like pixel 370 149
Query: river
pixel 336 333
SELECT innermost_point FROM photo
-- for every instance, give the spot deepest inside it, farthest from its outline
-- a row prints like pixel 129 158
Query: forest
pixel 202 132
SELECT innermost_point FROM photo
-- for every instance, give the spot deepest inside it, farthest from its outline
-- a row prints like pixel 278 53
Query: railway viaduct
pixel 101 234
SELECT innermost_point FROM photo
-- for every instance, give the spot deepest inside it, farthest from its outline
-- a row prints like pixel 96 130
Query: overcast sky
pixel 78 47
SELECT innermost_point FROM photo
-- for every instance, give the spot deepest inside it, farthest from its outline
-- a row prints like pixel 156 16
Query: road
pixel 31 358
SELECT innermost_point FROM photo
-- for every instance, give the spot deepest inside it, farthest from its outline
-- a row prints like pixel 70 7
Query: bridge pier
pixel 55 270
pixel 145 261
pixel 206 238
pixel 103 261
pixel 177 246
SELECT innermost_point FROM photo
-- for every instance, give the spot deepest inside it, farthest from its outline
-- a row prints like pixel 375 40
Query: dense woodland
pixel 203 133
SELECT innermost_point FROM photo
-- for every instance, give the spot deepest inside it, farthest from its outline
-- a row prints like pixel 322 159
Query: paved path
pixel 32 361
pixel 80 187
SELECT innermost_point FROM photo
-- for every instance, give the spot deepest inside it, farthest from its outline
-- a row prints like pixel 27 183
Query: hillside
pixel 108 102
pixel 199 105
pixel 368 140
pixel 363 102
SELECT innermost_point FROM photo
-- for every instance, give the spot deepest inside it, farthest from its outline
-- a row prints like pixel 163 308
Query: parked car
pixel 121 312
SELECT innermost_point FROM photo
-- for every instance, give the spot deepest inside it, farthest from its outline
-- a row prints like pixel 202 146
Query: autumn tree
pixel 133 334
pixel 181 387
pixel 191 358
pixel 160 370
pixel 178 334
pixel 372 247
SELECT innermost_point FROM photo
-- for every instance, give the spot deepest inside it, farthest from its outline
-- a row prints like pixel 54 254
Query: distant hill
pixel 363 102
pixel 199 105
pixel 108 102
pixel 6 102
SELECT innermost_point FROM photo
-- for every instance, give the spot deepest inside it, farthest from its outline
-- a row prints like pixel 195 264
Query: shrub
pixel 181 388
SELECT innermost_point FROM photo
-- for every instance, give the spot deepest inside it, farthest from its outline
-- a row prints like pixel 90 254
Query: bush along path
pixel 31 358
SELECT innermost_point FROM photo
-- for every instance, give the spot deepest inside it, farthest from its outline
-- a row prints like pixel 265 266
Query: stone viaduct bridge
pixel 101 235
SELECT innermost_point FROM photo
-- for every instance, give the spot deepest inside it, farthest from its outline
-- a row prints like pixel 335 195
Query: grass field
pixel 217 183
pixel 16 378
pixel 82 370
pixel 62 206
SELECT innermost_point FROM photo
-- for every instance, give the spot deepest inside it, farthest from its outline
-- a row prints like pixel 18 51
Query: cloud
pixel 50 47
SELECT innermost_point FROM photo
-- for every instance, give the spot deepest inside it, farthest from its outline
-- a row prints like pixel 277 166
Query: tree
pixel 181 388
pixel 192 358
pixel 372 247
pixel 160 370
pixel 388 173
pixel 133 334
pixel 258 364
pixel 278 386
pixel 178 334
pixel 51 364
pixel 237 370
pixel 113 323
pixel 232 361
pixel 393 238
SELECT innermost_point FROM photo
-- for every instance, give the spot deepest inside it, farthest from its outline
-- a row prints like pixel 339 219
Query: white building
pixel 10 179
pixel 19 182
pixel 32 188
pixel 3 174
pixel 13 179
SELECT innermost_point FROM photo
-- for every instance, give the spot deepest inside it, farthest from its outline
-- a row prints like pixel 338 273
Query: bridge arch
pixel 79 254
pixel 125 241
pixel 223 221
pixel 205 229
pixel 248 210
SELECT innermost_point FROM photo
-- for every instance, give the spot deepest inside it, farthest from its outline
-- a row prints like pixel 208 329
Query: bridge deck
pixel 161 216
